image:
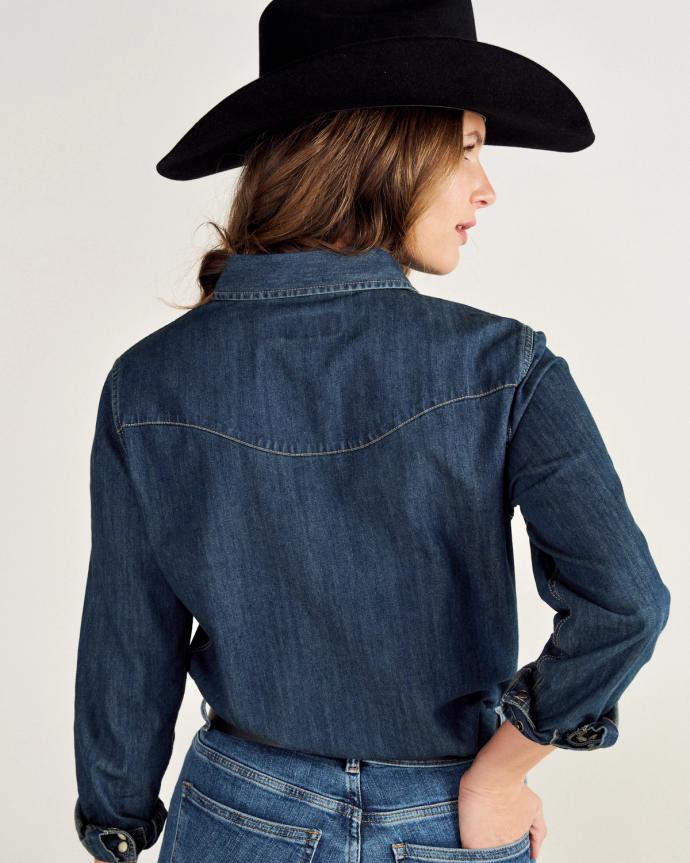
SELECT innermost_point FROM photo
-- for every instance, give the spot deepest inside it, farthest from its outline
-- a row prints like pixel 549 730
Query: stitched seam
pixel 180 813
pixel 115 401
pixel 144 525
pixel 411 813
pixel 328 285
pixel 528 350
pixel 552 588
pixel 262 826
pixel 320 801
pixel 223 294
pixel 316 452
pixel 527 355
pixel 559 624
pixel 416 851
pixel 508 699
pixel 431 762
pixel 274 784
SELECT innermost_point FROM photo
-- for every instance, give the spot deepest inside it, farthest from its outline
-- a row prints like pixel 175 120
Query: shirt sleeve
pixel 131 661
pixel 590 560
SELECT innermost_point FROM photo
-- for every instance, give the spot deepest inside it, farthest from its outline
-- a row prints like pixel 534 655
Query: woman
pixel 320 464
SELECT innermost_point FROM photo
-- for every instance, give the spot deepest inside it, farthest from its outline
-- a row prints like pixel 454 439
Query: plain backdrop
pixel 591 247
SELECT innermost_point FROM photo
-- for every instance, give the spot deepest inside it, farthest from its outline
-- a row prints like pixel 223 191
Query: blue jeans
pixel 239 801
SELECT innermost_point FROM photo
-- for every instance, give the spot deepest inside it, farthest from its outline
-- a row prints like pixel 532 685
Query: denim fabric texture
pixel 320 466
pixel 241 801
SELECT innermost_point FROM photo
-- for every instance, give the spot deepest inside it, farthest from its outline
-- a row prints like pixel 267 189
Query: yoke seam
pixel 239 440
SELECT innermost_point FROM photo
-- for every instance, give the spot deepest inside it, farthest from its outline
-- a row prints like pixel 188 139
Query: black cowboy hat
pixel 319 56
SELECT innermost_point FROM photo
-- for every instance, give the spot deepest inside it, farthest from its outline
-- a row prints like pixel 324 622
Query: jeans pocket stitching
pixel 302 835
pixel 438 854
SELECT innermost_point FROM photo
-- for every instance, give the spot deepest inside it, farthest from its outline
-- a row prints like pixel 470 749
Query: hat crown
pixel 291 30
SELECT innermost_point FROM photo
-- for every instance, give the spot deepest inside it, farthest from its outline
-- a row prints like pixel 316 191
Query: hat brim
pixel 525 104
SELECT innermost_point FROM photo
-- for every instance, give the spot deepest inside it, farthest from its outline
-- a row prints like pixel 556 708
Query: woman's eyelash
pixel 471 147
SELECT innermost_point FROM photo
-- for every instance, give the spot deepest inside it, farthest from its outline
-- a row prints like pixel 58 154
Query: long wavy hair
pixel 347 181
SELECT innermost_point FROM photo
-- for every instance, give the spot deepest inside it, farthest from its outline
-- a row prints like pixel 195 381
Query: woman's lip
pixel 462 232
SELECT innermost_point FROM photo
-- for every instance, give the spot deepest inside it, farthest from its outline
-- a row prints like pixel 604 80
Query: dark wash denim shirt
pixel 320 466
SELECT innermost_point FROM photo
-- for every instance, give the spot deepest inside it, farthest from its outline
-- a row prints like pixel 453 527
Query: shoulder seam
pixel 527 355
pixel 115 401
pixel 527 349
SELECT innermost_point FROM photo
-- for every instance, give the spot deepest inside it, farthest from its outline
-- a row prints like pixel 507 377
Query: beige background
pixel 591 247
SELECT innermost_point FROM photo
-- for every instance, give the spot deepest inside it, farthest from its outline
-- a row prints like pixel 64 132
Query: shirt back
pixel 320 466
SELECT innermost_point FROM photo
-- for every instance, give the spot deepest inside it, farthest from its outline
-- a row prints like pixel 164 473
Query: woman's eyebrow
pixel 479 138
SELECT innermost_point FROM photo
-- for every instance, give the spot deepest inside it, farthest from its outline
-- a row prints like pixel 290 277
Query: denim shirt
pixel 320 466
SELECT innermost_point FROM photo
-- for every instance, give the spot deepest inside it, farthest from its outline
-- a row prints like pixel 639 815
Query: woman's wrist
pixel 506 759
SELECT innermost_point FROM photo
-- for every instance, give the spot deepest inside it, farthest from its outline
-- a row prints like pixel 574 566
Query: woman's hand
pixel 490 815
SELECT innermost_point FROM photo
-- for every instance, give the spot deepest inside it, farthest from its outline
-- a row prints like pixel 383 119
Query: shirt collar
pixel 308 271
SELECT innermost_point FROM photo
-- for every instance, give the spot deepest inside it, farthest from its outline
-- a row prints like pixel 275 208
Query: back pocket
pixel 515 852
pixel 210 832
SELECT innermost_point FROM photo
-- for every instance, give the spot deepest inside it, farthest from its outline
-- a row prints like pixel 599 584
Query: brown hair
pixel 346 181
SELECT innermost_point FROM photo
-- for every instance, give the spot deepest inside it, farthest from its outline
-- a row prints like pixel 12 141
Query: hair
pixel 348 181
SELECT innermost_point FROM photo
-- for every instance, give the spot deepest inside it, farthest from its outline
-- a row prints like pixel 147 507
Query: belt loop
pixel 204 713
pixel 352 765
